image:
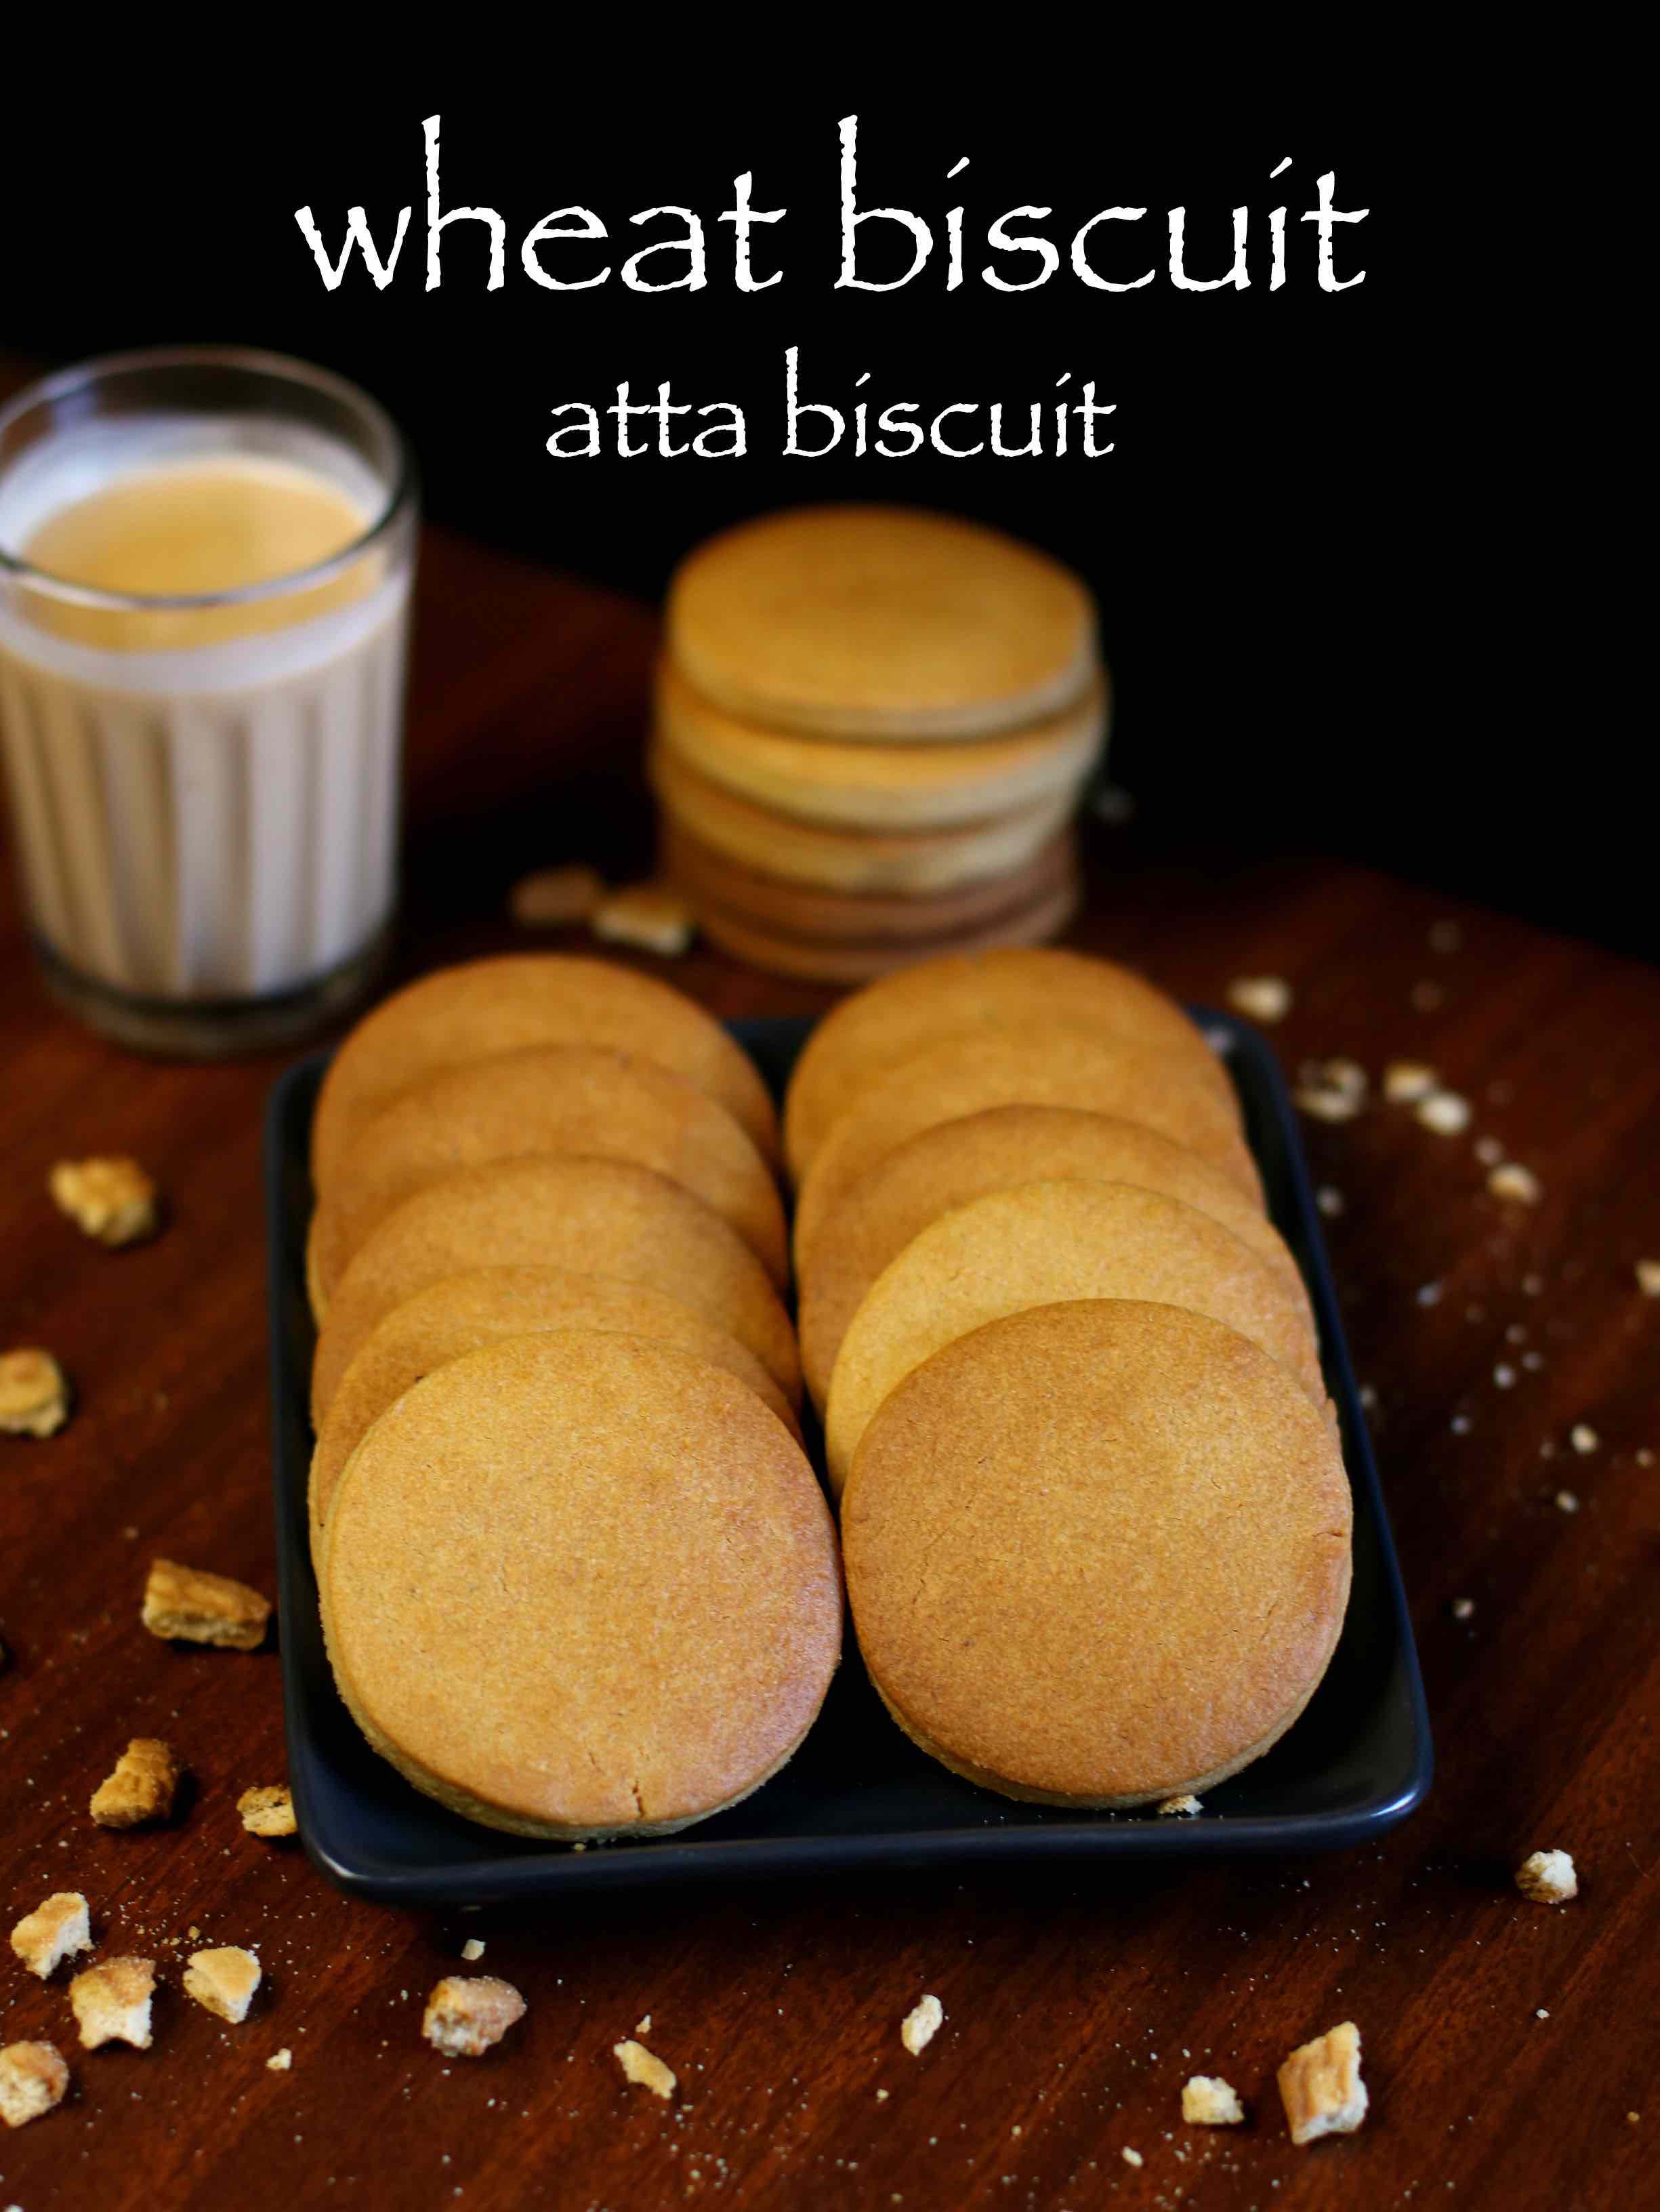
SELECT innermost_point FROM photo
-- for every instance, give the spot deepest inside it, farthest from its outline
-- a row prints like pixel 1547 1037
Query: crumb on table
pixel 141 1786
pixel 43 1939
pixel 1320 2086
pixel 112 2003
pixel 644 2068
pixel 267 1810
pixel 112 1201
pixel 190 1606
pixel 223 1980
pixel 921 2024
pixel 35 1396
pixel 552 899
pixel 653 916
pixel 466 2013
pixel 33 2079
pixel 1208 2101
pixel 1548 1877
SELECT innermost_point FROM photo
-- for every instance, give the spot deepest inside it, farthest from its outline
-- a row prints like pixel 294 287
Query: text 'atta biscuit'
pixel 877 623
pixel 864 1038
pixel 956 1161
pixel 1097 1554
pixel 459 1313
pixel 484 1007
pixel 606 1215
pixel 1040 1064
pixel 581 1100
pixel 1037 1245
pixel 579 1585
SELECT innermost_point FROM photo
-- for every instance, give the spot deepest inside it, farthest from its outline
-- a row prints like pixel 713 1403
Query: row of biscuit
pixel 870 731
pixel 1094 1516
pixel 576 1575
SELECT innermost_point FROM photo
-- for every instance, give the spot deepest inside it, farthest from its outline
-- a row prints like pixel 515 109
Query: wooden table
pixel 1509 2048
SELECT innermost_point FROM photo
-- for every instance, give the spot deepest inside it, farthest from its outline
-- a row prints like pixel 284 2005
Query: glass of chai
pixel 205 563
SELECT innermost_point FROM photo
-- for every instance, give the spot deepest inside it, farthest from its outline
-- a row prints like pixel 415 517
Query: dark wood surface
pixel 1509 2049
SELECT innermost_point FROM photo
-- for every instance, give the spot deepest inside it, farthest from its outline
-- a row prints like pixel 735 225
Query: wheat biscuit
pixel 865 1038
pixel 611 1216
pixel 844 962
pixel 587 1100
pixel 879 623
pixel 720 888
pixel 484 1007
pixel 459 1313
pixel 889 787
pixel 1098 1553
pixel 1040 1244
pixel 950 1164
pixel 1040 1063
pixel 864 863
pixel 580 1584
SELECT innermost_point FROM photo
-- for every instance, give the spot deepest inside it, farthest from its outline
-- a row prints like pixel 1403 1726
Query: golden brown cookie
pixel 578 1585
pixel 1042 1064
pixel 607 1215
pixel 1040 1244
pixel 860 1041
pixel 585 1100
pixel 843 962
pixel 863 863
pixel 885 787
pixel 879 622
pixel 484 1007
pixel 949 1165
pixel 798 911
pixel 459 1313
pixel 1098 1553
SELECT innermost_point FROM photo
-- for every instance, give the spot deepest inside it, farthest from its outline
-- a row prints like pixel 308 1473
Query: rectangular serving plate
pixel 858 1793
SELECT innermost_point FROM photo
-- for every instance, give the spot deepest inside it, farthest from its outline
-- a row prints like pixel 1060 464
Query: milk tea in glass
pixel 205 564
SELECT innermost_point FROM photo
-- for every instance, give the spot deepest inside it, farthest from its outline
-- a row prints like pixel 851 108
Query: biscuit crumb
pixel 1512 1180
pixel 1180 1809
pixel 35 1396
pixel 223 1981
pixel 1568 1501
pixel 1407 1081
pixel 1648 1278
pixel 649 915
pixel 468 2013
pixel 43 1939
pixel 192 1607
pixel 472 1949
pixel 645 2068
pixel 112 2003
pixel 1321 1104
pixel 1131 2157
pixel 1548 1878
pixel 550 898
pixel 1260 998
pixel 1462 1607
pixel 921 2025
pixel 1329 1200
pixel 112 1201
pixel 1443 1111
pixel 33 2079
pixel 280 2061
pixel 1320 2086
pixel 267 1811
pixel 1208 2101
pixel 141 1788
pixel 643 2025
pixel 1583 1438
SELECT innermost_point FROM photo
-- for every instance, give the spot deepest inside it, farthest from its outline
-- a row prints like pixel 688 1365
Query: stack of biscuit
pixel 578 1578
pixel 1094 1516
pixel 872 726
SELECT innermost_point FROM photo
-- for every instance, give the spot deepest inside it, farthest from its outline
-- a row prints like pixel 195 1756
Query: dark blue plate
pixel 858 1793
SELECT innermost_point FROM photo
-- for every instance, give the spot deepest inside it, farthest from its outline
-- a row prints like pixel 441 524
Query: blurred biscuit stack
pixel 872 726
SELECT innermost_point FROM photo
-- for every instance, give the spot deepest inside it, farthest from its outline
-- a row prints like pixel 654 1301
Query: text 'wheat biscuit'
pixel 950 1164
pixel 889 787
pixel 609 1216
pixel 577 1585
pixel 914 863
pixel 864 1039
pixel 460 1313
pixel 878 623
pixel 1037 1245
pixel 484 1007
pixel 1097 1554
pixel 842 962
pixel 582 1100
pixel 721 888
pixel 1042 1064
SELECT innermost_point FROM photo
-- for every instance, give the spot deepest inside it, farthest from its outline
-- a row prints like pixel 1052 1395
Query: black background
pixel 1341 548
